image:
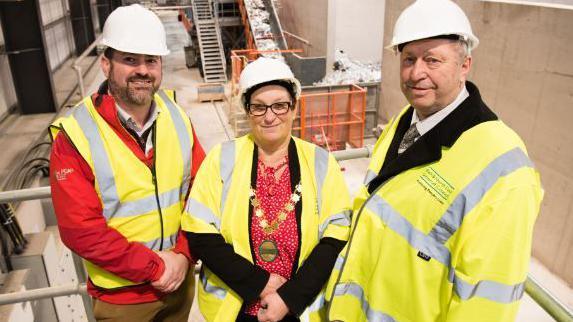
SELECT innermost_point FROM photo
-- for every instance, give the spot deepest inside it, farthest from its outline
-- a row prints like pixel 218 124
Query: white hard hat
pixel 134 29
pixel 265 70
pixel 432 18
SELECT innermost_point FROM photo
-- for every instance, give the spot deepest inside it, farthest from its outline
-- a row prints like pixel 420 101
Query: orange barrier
pixel 333 120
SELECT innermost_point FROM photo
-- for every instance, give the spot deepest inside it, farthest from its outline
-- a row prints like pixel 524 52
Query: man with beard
pixel 122 163
pixel 442 227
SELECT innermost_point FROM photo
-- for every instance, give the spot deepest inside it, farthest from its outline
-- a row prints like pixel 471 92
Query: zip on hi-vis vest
pixel 154 178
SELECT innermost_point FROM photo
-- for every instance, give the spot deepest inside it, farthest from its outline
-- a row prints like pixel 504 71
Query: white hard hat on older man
pixel 432 19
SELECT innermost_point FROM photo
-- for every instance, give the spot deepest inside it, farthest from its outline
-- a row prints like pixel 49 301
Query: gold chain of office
pixel 271 227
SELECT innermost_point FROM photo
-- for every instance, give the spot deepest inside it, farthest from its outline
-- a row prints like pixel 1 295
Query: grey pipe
pixel 349 154
pixel 42 293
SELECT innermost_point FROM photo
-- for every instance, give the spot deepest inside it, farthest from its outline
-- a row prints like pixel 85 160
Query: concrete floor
pixel 211 126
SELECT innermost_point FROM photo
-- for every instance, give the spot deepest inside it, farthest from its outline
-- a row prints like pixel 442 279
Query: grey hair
pixel 464 47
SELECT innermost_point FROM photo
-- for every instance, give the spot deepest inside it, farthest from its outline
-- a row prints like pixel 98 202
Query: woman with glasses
pixel 268 213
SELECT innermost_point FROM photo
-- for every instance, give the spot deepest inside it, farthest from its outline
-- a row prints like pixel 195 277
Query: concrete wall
pixel 355 27
pixel 524 70
pixel 307 19
pixel 358 28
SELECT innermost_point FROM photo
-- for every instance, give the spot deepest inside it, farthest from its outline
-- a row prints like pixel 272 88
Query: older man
pixel 121 166
pixel 443 225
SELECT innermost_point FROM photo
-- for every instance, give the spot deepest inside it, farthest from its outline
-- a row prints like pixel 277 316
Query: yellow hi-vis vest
pixel 445 241
pixel 144 205
pixel 219 203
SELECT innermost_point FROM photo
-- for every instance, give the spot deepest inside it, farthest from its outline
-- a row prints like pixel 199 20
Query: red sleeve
pixel 198 154
pixel 82 226
pixel 198 157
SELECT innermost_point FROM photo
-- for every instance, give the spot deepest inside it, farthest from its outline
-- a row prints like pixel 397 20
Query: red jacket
pixel 83 227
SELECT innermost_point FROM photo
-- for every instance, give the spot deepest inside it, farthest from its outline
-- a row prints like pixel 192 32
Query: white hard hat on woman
pixel 265 70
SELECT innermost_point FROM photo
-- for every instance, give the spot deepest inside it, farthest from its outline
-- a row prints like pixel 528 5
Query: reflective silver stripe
pixel 339 262
pixel 452 219
pixel 404 228
pixel 218 292
pixel 112 207
pixel 432 244
pixel 369 176
pixel 144 205
pixel 340 219
pixel 167 242
pixel 318 303
pixel 320 169
pixel 357 291
pixel 493 291
pixel 226 168
pixel 487 289
pixel 198 210
pixel 102 166
pixel 184 140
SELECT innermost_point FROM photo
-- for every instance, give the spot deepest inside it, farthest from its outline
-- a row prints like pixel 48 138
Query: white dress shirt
pixel 128 121
pixel 428 123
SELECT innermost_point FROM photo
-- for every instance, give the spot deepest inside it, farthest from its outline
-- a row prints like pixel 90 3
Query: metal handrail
pixel 42 293
pixel 25 194
pixel 547 301
pixel 78 68
pixel 559 311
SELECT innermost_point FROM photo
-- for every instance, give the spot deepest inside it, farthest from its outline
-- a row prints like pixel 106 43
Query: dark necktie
pixel 409 138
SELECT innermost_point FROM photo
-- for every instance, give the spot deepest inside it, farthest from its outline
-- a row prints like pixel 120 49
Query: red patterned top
pixel 273 194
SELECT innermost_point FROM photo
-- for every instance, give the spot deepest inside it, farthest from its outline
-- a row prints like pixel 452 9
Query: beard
pixel 133 93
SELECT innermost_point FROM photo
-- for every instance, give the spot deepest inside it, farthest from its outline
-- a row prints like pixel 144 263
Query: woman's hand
pixel 275 281
pixel 273 308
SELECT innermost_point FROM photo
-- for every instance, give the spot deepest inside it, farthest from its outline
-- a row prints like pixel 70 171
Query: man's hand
pixel 175 271
pixel 275 281
pixel 273 308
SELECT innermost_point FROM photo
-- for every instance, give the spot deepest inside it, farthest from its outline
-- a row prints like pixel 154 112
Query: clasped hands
pixel 176 266
pixel 273 307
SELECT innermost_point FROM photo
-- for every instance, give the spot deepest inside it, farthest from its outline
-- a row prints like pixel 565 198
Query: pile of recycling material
pixel 261 28
pixel 349 71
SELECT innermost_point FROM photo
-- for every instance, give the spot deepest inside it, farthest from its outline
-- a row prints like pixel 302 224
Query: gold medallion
pixel 268 250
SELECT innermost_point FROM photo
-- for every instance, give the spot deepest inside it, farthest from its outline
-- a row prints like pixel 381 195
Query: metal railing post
pixel 76 66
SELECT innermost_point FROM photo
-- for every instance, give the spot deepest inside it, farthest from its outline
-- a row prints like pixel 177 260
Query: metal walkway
pixel 210 44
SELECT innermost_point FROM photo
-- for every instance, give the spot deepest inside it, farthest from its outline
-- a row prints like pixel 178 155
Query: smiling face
pixel 133 78
pixel 271 129
pixel 432 73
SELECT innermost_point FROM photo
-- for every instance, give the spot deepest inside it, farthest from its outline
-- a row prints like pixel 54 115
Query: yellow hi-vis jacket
pixel 143 204
pixel 448 240
pixel 219 203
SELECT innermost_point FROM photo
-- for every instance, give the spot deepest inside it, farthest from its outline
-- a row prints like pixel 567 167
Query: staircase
pixel 210 44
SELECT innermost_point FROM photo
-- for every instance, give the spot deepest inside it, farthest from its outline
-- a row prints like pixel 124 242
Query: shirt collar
pixel 128 121
pixel 428 123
